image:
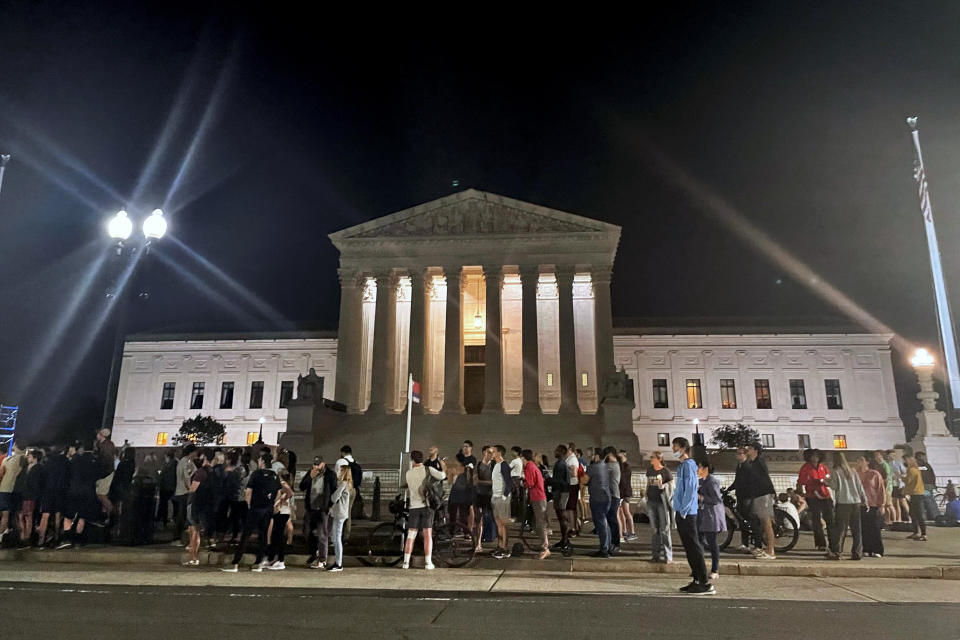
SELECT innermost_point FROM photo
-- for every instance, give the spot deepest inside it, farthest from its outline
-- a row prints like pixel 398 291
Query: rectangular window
pixel 196 395
pixel 549 379
pixel 762 388
pixel 584 379
pixel 728 394
pixel 798 395
pixel 252 437
pixel 166 399
pixel 834 401
pixel 256 394
pixel 286 393
pixel 226 395
pixel 660 400
pixel 694 401
pixel 768 441
pixel 162 438
pixel 663 439
pixel 803 440
pixel 840 441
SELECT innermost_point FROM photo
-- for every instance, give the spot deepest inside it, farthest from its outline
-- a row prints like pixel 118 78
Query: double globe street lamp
pixel 120 226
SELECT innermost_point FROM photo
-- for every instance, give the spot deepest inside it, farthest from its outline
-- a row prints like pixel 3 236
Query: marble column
pixel 529 279
pixel 568 341
pixel 384 328
pixel 347 390
pixel 603 323
pixel 453 348
pixel 415 357
pixel 493 349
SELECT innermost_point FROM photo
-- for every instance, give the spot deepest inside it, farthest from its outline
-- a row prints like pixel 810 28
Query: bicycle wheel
pixel 786 531
pixel 454 545
pixel 727 537
pixel 384 546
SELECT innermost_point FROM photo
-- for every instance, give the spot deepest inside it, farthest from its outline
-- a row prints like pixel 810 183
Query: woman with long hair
pixel 850 498
pixel 340 511
pixel 278 527
pixel 624 515
pixel 871 520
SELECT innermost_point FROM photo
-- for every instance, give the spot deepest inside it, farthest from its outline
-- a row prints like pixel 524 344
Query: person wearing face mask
pixel 685 503
pixel 658 509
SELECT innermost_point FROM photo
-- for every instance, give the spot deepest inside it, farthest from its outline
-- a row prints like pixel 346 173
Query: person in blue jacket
pixel 685 504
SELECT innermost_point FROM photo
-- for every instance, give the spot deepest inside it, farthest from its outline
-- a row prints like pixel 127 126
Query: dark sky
pixel 792 113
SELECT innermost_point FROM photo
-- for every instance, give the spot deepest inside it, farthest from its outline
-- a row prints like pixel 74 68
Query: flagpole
pixel 406 446
pixel 947 337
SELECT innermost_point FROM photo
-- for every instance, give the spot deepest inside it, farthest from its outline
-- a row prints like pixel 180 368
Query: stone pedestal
pixel 617 415
pixel 933 437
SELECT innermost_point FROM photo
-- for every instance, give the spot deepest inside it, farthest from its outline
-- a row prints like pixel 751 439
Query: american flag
pixel 921 177
pixel 416 392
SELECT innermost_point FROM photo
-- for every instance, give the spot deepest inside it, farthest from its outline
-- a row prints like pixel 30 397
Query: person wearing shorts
pixel 561 497
pixel 81 502
pixel 107 453
pixel 201 513
pixel 420 517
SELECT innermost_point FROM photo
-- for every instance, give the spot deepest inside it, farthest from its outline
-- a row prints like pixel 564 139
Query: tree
pixel 201 431
pixel 732 436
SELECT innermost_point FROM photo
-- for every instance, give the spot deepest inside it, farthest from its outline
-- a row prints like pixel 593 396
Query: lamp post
pixel 119 229
pixel 697 436
pixel 930 420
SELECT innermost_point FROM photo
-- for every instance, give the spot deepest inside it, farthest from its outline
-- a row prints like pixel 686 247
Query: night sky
pixel 260 133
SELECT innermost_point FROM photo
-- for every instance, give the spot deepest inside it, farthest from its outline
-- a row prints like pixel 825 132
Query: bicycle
pixel 786 530
pixel 453 544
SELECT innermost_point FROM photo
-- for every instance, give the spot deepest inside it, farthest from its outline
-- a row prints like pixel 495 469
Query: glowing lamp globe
pixel 478 321
pixel 120 227
pixel 922 358
pixel 155 226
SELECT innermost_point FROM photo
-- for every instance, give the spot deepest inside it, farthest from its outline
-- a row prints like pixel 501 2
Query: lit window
pixel 162 438
pixel 226 395
pixel 286 393
pixel 694 400
pixel 222 438
pixel 840 442
pixel 252 437
pixel 256 394
pixel 663 439
pixel 549 379
pixel 166 400
pixel 584 379
pixel 834 401
pixel 762 389
pixel 196 395
pixel 803 440
pixel 768 441
pixel 728 394
pixel 798 395
pixel 660 400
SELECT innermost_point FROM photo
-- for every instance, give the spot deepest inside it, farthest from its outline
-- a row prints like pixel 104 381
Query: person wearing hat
pixel 318 485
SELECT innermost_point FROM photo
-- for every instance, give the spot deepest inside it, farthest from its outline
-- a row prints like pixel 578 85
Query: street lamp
pixel 119 227
pixel 697 436
pixel 155 226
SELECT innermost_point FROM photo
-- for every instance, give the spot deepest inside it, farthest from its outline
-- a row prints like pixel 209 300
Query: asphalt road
pixel 35 610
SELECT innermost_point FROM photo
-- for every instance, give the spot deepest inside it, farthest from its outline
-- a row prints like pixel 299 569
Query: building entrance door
pixel 473 379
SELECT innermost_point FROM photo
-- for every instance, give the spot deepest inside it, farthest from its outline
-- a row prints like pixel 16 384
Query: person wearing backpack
pixel 561 497
pixel 420 517
pixel 356 473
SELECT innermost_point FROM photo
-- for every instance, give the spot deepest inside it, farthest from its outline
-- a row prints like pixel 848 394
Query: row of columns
pixel 383 375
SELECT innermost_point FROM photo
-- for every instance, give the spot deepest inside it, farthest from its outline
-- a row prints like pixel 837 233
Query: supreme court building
pixel 501 311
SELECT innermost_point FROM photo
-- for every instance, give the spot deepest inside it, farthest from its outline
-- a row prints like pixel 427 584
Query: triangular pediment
pixel 474 213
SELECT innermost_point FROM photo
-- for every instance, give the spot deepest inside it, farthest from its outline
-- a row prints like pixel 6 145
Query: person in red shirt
pixel 533 481
pixel 812 483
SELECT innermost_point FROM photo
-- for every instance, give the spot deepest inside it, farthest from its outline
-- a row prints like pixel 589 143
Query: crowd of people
pixel 224 497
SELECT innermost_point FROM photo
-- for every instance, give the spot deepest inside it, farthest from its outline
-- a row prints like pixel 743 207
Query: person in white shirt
pixel 517 495
pixel 346 458
pixel 573 501
pixel 421 515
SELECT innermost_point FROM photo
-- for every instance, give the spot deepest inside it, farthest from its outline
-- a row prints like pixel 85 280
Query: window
pixel 728 394
pixel 834 401
pixel 768 441
pixel 762 388
pixel 798 395
pixel 196 395
pixel 694 401
pixel 660 400
pixel 162 438
pixel 286 393
pixel 663 439
pixel 840 441
pixel 166 399
pixel 549 379
pixel 584 379
pixel 252 437
pixel 803 440
pixel 256 394
pixel 226 395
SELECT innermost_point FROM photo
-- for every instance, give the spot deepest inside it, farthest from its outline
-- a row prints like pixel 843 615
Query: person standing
pixel 106 451
pixel 462 495
pixel 346 458
pixel 685 503
pixel 561 497
pixel 421 515
pixel 871 519
pixel 54 490
pixel 534 484
pixel 658 509
pixel 502 488
pixel 81 503
pixel 281 516
pixel 33 485
pixel 711 518
pixel 609 456
pixel 624 517
pixel 235 477
pixel 339 511
pixel 894 459
pixel 812 481
pixel 10 469
pixel 261 491
pixel 200 517
pixel 851 498
pixel 484 493
pixel 764 496
pixel 597 481
pixel 517 501
pixel 743 489
pixel 929 485
pixel 318 485
pixel 185 470
pixel 166 487
pixel 913 490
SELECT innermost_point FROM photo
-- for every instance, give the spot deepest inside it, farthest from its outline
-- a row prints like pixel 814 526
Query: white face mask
pixel 678 454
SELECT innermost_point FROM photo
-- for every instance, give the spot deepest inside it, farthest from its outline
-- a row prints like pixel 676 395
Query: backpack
pixel 356 472
pixel 432 490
